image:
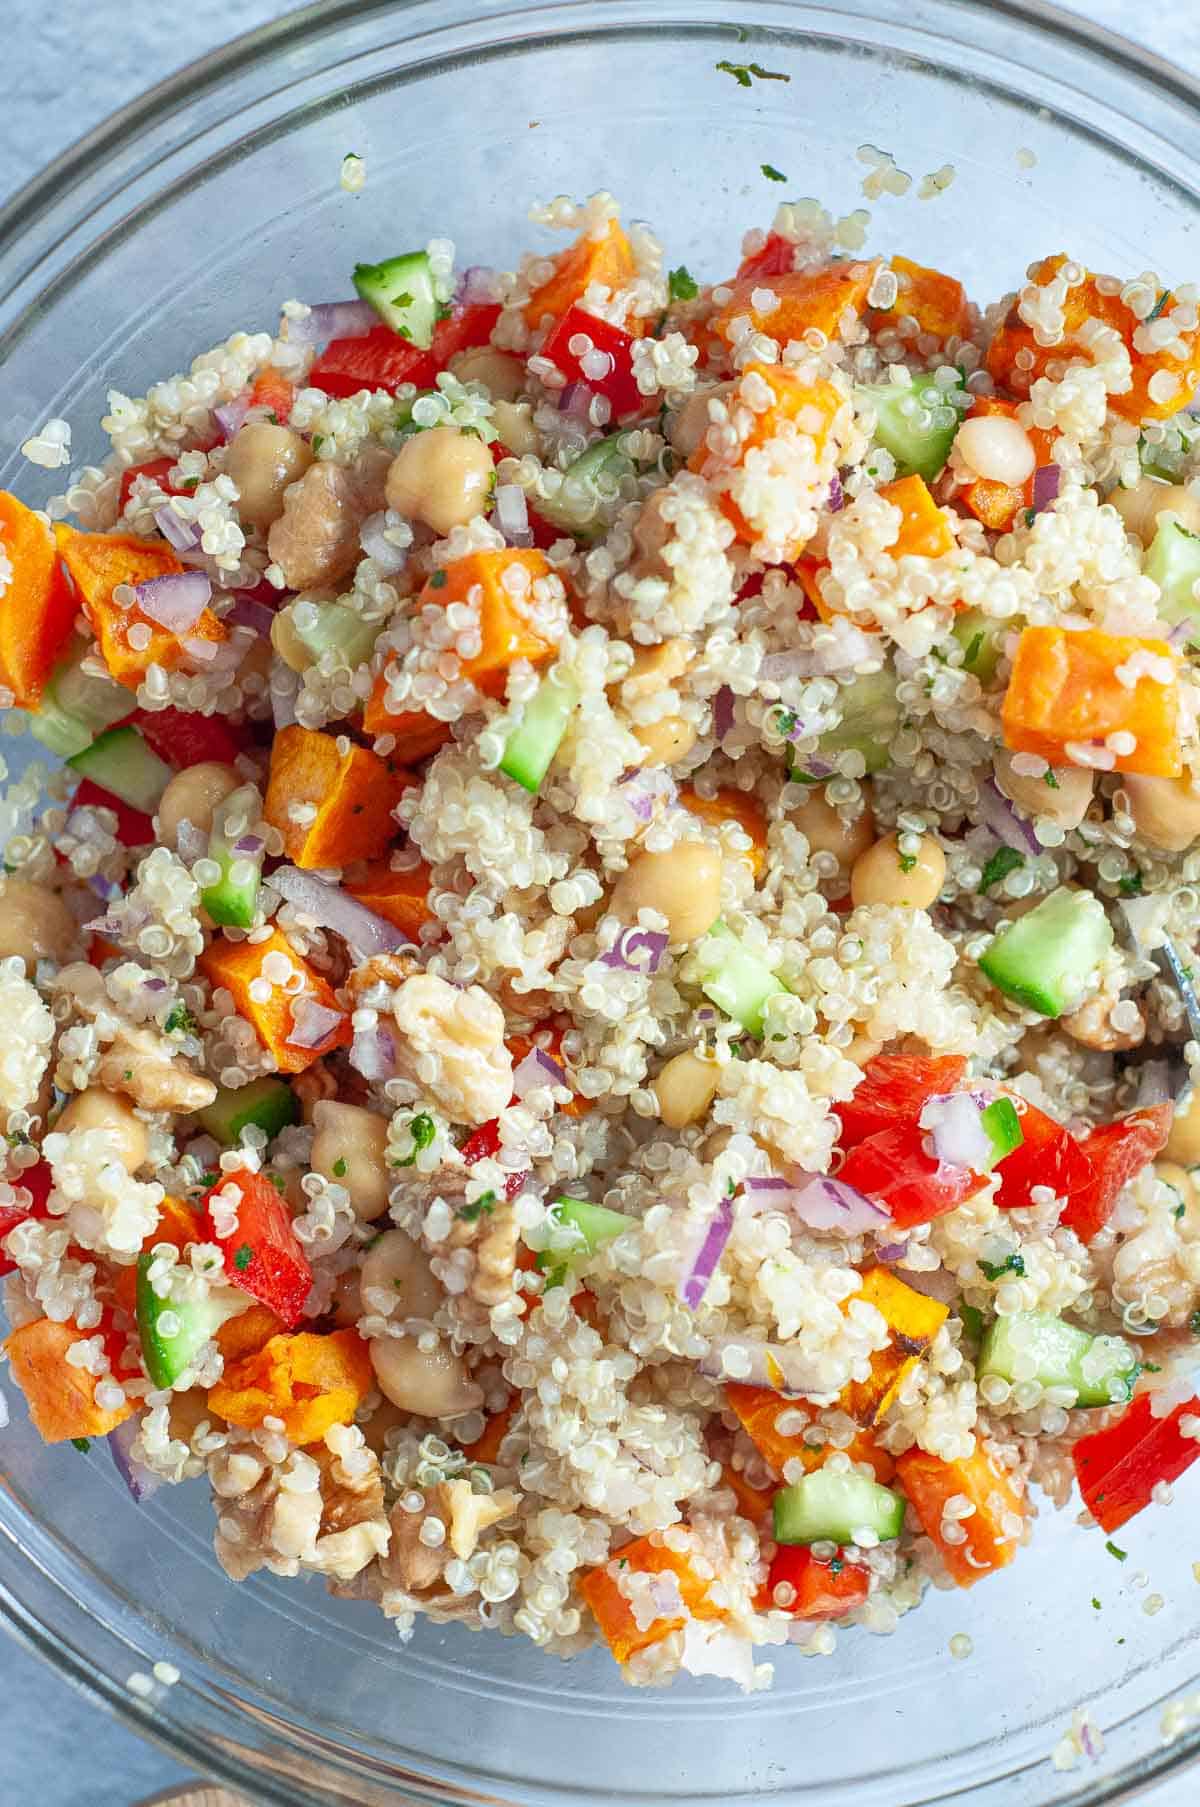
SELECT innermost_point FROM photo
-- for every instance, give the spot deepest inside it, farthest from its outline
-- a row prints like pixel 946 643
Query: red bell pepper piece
pixel 775 258
pixel 618 385
pixel 462 330
pixel 181 738
pixel 893 1089
pixel 1115 1152
pixel 1049 1156
pixel 825 1587
pixel 481 1145
pixel 263 1255
pixel 272 390
pixel 37 1182
pixel 380 359
pixel 156 468
pixel 134 827
pixel 1119 1468
pixel 912 1186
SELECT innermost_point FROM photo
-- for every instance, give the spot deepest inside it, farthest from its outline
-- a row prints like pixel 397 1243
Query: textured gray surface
pixel 56 1749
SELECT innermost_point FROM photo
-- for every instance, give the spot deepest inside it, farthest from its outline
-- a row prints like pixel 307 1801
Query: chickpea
pixel 653 668
pixel 98 1109
pixel 688 425
pixel 287 642
pixel 262 460
pixel 1141 506
pixel 1183 1143
pixel 433 1383
pixel 685 1088
pixel 501 375
pixel 397 1267
pixel 827 830
pixel 862 1049
pixel 683 884
pixel 667 740
pixel 442 477
pixel 514 426
pixel 1065 802
pixel 35 923
pixel 350 1146
pixel 879 875
pixel 1092 1026
pixel 996 448
pixel 192 796
pixel 1166 811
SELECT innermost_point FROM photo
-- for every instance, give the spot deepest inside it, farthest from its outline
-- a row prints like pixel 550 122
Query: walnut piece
pixel 470 1513
pixel 315 541
pixel 452 1045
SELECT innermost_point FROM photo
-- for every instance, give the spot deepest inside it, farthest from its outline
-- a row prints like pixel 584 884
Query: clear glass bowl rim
pixel 57 206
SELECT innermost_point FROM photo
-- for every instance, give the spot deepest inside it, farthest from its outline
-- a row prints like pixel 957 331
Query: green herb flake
pixel 437 580
pixel 682 285
pixel 745 73
pixel 771 173
pixel 82 1444
pixel 1131 885
pixel 243 1258
pixel 472 1213
pixel 1012 1264
pixel 836 1565
pixel 1030 516
pixel 279 1183
pixel 1049 778
pixel 972 1321
pixel 339 1168
pixel 422 1129
pixel 907 861
pixel 208 1179
pixel 180 1021
pixel 317 441
pixel 1158 307
pixel 1002 862
pixel 974 650
pixel 1116 1550
pixel 1095 1603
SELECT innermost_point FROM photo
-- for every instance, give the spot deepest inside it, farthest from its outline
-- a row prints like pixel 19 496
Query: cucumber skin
pixel 167 1358
pixel 1173 562
pixel 1055 1365
pixel 121 762
pixel 530 748
pixel 416 322
pixel 1009 960
pixel 916 454
pixel 801 1515
pixel 268 1103
pixel 742 986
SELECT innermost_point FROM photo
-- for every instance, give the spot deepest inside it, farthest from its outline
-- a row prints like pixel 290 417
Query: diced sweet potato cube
pixel 98 563
pixel 613 1612
pixel 61 1398
pixel 992 1532
pixel 311 1382
pixel 924 527
pixel 606 258
pixel 276 1017
pixel 352 791
pixel 401 898
pixel 805 300
pixel 1088 688
pixel 37 604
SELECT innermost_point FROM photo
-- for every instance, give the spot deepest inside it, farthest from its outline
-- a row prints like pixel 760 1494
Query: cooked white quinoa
pixel 710 735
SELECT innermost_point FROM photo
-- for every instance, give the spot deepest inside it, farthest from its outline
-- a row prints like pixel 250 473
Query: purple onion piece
pixel 835 501
pixel 537 1068
pixel 140 1480
pixel 331 908
pixel 1046 480
pixel 1005 822
pixel 312 1023
pixel 154 984
pixel 327 320
pixel 831 1205
pixel 230 416
pixel 637 950
pixel 182 535
pixel 478 285
pixel 512 514
pixel 576 400
pixel 723 712
pixel 247 611
pixel 704 1263
pixel 373 1054
pixel 191 843
pixel 251 844
pixel 176 601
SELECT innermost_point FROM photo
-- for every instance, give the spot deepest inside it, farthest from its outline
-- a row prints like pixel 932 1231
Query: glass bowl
pixel 196 211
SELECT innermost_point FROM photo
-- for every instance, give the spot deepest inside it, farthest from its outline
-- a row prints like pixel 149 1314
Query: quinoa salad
pixel 596 948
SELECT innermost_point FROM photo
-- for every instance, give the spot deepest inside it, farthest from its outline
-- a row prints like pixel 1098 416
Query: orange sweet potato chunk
pixel 352 790
pixel 401 898
pixel 98 563
pixel 731 805
pixel 37 604
pixel 990 1542
pixel 61 1398
pixel 237 965
pixel 924 527
pixel 612 1610
pixel 758 1410
pixel 309 1381
pixel 938 303
pixel 817 299
pixel 607 259
pixel 1067 688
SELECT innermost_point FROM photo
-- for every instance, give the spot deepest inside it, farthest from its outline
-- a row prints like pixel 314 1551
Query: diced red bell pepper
pixel 618 386
pixel 1119 1468
pixel 263 1256
pixel 156 468
pixel 912 1186
pixel 462 330
pixel 1049 1156
pixel 1116 1152
pixel 775 258
pixel 181 738
pixel 825 1587
pixel 37 1181
pixel 481 1145
pixel 271 389
pixel 134 827
pixel 893 1089
pixel 543 531
pixel 380 359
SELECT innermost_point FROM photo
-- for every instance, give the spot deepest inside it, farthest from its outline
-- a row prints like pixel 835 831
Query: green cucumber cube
pixel 76 705
pixel 323 627
pixel 835 1507
pixel 589 489
pixel 916 423
pixel 1173 561
pixel 174 1331
pixel 1002 1127
pixel 870 717
pixel 232 899
pixel 267 1103
pixel 736 980
pixel 1044 960
pixel 121 762
pixel 982 640
pixel 1036 1345
pixel 405 294
pixel 530 748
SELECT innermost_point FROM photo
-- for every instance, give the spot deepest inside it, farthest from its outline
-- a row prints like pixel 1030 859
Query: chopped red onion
pixel 312 1023
pixel 835 501
pixel 230 416
pixel 939 1284
pixel 478 285
pixel 850 647
pixel 154 984
pixel 959 1138
pixel 637 950
pixel 576 400
pixel 1046 480
pixel 723 712
pixel 251 844
pixel 176 601
pixel 331 908
pixel 1005 822
pixel 183 535
pixel 140 1480
pixel 191 843
pixel 327 320
pixel 247 611
pixel 1089 1743
pixel 831 1205
pixel 644 786
pixel 512 514
pixel 106 888
pixel 890 1251
pixel 773 1365
pixel 703 1264
pixel 373 1054
pixel 375 543
pixel 537 1068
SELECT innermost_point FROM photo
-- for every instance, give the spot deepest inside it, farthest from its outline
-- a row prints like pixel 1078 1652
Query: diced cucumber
pixel 323 627
pixel 76 706
pixel 232 899
pixel 168 1352
pixel 1002 1127
pixel 590 486
pixel 982 640
pixel 870 717
pixel 1043 960
pixel 737 982
pixel 121 762
pixel 405 294
pixel 578 1229
pixel 1036 1345
pixel 1173 561
pixel 828 1507
pixel 267 1103
pixel 535 740
pixel 915 422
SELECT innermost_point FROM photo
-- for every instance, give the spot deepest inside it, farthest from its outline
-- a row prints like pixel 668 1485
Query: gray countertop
pixel 89 1760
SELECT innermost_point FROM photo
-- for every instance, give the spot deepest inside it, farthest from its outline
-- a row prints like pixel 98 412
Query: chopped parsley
pixel 744 73
pixel 437 580
pixel 1002 862
pixel 972 1320
pixel 181 1021
pixel 1116 1550
pixel 907 861
pixel 682 285
pixel 1158 307
pixel 973 651
pixel 1095 1603
pixel 771 173
pixel 1030 516
pixel 208 1179
pixel 339 1168
pixel 1049 778
pixel 1012 1264
pixel 836 1564
pixel 1194 1323
pixel 1131 885
pixel 422 1129
pixel 243 1257
pixel 472 1213
pixel 279 1183
pixel 82 1444
pixel 317 441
